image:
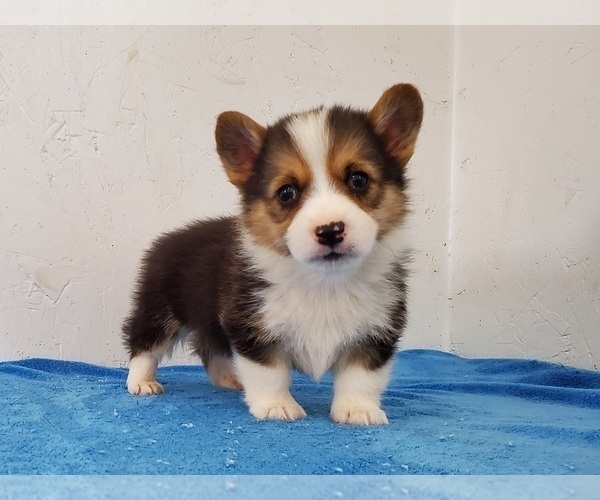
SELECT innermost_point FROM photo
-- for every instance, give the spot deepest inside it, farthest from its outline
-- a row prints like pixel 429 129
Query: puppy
pixel 311 275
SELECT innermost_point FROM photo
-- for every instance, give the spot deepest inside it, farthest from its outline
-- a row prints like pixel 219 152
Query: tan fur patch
pixel 351 356
pixel 265 228
pixel 392 210
pixel 171 328
pixel 345 155
pixel 291 169
pixel 385 203
pixel 267 219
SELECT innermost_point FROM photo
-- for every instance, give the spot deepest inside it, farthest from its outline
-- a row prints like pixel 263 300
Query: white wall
pixel 525 230
pixel 106 139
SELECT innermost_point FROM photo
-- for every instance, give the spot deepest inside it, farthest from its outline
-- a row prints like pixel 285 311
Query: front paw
pixel 358 415
pixel 285 409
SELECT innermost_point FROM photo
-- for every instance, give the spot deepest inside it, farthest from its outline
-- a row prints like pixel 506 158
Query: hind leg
pixel 221 372
pixel 148 340
pixel 141 380
pixel 212 345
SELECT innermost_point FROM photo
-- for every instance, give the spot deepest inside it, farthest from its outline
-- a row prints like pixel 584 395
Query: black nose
pixel 330 234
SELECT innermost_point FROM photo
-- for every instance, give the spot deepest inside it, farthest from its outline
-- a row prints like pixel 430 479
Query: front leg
pixel 267 389
pixel 357 394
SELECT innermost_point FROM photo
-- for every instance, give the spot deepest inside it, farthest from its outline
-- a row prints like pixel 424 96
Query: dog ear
pixel 397 117
pixel 239 141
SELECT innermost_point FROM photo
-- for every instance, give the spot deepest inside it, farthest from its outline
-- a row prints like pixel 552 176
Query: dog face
pixel 325 185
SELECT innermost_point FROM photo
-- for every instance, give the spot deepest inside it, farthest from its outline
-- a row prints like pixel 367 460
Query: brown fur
pixel 266 219
pixel 397 117
pixel 239 139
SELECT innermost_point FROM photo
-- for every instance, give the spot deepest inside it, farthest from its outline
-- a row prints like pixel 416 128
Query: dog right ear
pixel 239 141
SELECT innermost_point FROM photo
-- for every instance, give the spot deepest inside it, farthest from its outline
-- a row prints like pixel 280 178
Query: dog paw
pixel 145 388
pixel 228 383
pixel 278 410
pixel 222 374
pixel 359 416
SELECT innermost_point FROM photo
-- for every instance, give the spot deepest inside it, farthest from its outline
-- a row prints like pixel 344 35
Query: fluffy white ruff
pixel 316 314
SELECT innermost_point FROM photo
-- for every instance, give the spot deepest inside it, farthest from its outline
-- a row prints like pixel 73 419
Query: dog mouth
pixel 333 256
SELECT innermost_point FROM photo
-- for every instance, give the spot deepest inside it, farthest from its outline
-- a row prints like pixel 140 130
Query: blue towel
pixel 448 415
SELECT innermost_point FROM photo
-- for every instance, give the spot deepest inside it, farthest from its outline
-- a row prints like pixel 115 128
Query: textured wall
pixel 107 140
pixel 525 228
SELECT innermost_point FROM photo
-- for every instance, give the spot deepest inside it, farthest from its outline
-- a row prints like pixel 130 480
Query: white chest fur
pixel 315 316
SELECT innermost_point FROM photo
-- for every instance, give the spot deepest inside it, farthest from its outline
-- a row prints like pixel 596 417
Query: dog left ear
pixel 239 141
pixel 397 118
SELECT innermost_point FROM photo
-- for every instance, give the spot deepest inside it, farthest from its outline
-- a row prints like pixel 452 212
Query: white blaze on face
pixel 323 202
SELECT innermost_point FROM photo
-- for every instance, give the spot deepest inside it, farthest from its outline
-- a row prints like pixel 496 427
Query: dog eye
pixel 358 181
pixel 287 194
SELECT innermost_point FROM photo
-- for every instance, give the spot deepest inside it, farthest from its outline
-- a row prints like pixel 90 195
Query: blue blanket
pixel 448 415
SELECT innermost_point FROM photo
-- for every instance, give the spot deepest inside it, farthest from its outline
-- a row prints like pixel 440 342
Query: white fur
pixel 320 209
pixel 141 380
pixel 315 314
pixel 267 390
pixel 311 134
pixel 357 395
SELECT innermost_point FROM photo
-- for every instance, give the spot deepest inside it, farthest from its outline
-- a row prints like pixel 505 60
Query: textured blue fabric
pixel 261 487
pixel 448 415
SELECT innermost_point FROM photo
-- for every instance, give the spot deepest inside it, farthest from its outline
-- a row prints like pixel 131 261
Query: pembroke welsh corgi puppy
pixel 311 275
